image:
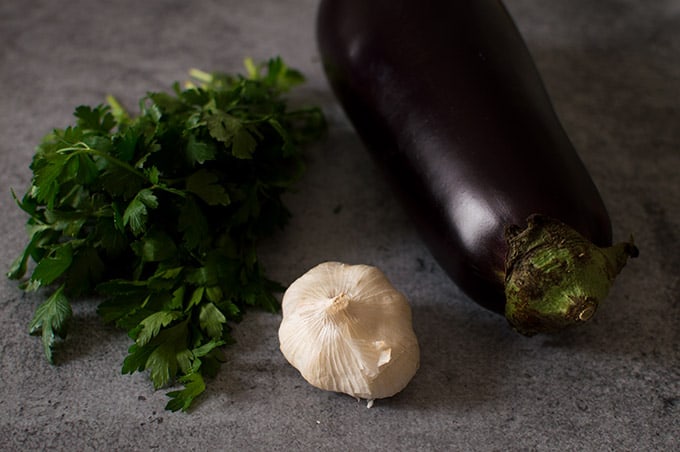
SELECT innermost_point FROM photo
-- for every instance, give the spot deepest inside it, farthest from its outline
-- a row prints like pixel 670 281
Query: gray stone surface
pixel 613 69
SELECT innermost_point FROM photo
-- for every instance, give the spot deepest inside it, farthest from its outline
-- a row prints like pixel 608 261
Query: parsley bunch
pixel 161 213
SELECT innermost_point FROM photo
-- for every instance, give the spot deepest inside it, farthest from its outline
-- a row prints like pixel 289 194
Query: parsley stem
pixel 117 110
pixel 201 76
pixel 118 162
pixel 81 147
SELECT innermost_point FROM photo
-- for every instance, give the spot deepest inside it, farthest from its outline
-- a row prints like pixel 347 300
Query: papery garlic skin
pixel 347 329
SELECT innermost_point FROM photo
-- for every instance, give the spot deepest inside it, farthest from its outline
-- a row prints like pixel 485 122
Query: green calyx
pixel 555 277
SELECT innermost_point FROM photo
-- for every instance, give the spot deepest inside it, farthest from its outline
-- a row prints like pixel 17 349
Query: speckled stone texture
pixel 613 70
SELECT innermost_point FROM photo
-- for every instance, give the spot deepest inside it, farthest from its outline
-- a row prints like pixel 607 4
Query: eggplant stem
pixel 555 277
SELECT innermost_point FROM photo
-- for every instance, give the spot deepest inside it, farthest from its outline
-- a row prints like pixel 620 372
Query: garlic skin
pixel 347 329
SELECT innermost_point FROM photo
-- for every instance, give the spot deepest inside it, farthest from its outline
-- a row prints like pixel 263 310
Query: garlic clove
pixel 347 329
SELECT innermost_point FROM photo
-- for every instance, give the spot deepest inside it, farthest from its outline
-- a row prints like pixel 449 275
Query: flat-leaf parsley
pixel 160 214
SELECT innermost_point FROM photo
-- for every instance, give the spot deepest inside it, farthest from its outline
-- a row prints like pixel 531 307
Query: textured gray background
pixel 613 69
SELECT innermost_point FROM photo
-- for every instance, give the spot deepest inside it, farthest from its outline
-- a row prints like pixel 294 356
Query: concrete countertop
pixel 613 70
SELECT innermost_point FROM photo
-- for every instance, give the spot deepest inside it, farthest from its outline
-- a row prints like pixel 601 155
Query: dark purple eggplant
pixel 447 99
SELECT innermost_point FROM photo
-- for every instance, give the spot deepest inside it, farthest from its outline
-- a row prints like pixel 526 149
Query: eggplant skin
pixel 447 99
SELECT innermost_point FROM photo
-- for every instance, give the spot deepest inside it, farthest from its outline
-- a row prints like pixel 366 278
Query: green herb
pixel 161 214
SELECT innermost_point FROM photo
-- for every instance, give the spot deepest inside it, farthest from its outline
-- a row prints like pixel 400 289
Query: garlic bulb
pixel 347 329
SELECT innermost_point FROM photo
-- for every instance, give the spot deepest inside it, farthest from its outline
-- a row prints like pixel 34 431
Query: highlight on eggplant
pixel 447 99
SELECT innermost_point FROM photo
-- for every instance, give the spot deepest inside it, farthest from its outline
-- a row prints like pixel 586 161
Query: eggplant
pixel 447 99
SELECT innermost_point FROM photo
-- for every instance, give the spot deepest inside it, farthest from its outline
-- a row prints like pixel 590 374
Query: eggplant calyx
pixel 555 277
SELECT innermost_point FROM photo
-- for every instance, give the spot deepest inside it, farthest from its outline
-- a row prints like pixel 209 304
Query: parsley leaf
pixel 57 261
pixel 206 185
pixel 160 214
pixel 136 212
pixel 198 152
pixel 193 387
pixel 51 319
